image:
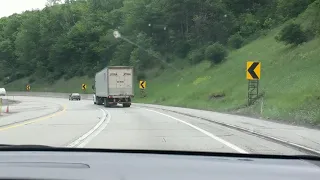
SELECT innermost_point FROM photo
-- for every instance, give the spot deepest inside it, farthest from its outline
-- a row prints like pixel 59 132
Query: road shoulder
pixel 302 136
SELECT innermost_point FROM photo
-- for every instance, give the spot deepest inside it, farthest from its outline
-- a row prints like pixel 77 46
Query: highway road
pixel 60 122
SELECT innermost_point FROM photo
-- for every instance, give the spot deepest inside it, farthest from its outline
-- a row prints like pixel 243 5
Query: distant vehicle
pixel 114 85
pixel 75 96
pixel 3 92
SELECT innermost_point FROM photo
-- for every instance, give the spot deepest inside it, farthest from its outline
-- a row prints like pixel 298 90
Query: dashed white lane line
pixel 226 143
pixel 87 137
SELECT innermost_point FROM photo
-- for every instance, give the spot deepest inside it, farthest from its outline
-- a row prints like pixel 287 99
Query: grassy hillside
pixel 71 85
pixel 289 81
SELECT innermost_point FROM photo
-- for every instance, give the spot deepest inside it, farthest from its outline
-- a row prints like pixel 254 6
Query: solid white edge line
pixel 87 137
pixel 255 132
pixel 232 146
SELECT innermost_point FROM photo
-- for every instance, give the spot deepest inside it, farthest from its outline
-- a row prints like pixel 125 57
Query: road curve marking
pixel 92 133
pixel 34 120
pixel 232 146
pixel 280 141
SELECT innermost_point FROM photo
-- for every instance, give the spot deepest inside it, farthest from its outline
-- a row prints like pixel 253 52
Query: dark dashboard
pixel 47 163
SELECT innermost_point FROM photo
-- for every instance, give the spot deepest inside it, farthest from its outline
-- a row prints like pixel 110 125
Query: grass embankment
pixel 71 85
pixel 289 80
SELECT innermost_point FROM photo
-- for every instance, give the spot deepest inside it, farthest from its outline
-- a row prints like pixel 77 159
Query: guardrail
pixel 48 94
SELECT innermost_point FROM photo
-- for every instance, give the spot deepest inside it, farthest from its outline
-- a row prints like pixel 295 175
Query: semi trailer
pixel 114 85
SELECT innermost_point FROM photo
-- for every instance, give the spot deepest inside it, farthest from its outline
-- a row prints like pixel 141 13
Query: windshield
pixel 234 76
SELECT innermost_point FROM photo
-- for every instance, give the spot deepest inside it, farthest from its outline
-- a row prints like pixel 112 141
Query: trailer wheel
pixel 106 102
pixel 99 101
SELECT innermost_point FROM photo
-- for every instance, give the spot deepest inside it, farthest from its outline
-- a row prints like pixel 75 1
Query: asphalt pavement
pixel 60 122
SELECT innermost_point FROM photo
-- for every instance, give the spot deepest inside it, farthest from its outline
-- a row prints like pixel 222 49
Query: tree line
pixel 75 37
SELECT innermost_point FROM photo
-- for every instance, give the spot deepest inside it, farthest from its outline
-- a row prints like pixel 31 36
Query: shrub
pixel 216 53
pixel 292 34
pixel 236 41
pixel 269 23
pixel 196 56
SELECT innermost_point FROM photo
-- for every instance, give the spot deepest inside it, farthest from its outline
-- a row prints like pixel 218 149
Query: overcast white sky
pixel 8 7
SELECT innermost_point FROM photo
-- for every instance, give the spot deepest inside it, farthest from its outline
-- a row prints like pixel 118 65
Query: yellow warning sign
pixel 253 70
pixel 84 86
pixel 143 84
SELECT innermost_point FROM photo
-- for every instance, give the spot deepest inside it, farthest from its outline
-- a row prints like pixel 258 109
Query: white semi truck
pixel 114 85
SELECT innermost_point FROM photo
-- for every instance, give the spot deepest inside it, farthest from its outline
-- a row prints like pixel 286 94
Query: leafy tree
pixel 292 8
pixel 75 37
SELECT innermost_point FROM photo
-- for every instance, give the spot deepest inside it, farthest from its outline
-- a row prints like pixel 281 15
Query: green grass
pixel 71 85
pixel 289 80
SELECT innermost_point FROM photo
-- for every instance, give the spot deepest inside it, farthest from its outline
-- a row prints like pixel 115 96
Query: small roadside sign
pixel 84 86
pixel 143 84
pixel 28 87
pixel 253 70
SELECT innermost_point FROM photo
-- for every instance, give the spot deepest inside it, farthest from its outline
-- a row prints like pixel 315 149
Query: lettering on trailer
pixel 143 84
pixel 113 74
pixel 126 74
pixel 253 70
pixel 84 86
